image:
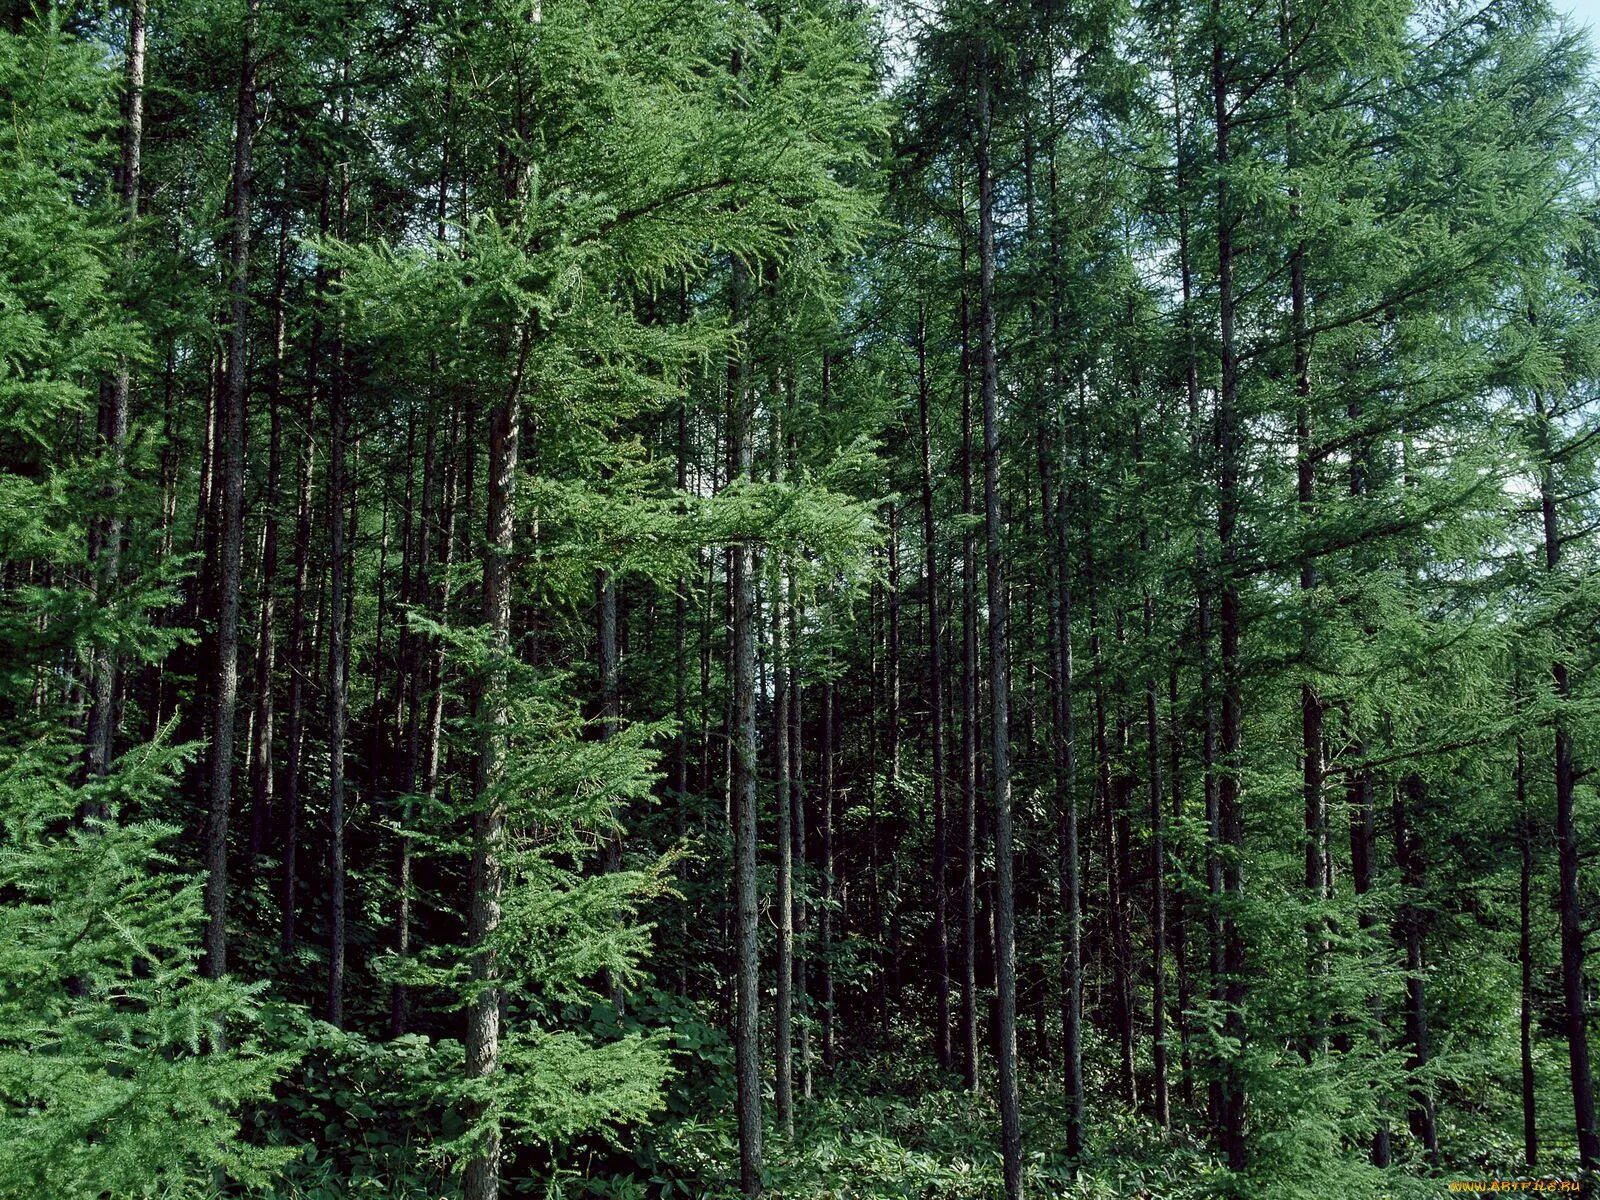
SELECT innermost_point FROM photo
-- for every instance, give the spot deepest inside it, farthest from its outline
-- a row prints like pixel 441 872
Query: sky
pixel 1586 12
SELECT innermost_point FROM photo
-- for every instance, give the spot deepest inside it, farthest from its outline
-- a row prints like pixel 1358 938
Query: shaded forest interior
pixel 682 598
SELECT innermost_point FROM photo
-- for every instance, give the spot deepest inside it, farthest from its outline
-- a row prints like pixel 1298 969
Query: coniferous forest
pixel 686 598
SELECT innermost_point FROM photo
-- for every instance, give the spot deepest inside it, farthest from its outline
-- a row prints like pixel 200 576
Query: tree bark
pixel 1229 455
pixel 493 713
pixel 1408 858
pixel 105 539
pixel 742 591
pixel 338 661
pixel 230 440
pixel 1574 1015
pixel 999 673
pixel 941 904
pixel 969 699
pixel 1530 1129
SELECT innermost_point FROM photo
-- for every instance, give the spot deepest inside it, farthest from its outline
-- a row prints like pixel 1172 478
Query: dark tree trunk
pixel 230 439
pixel 999 674
pixel 105 538
pixel 969 701
pixel 783 836
pixel 261 781
pixel 338 660
pixel 1229 455
pixel 1068 868
pixel 1574 1016
pixel 1530 1130
pixel 1408 858
pixel 742 592
pixel 941 905
pixel 829 1049
pixel 493 713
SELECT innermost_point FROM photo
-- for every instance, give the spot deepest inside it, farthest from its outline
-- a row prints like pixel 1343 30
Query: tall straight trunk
pixel 1530 1129
pixel 1408 858
pixel 829 1051
pixel 1568 903
pixel 261 781
pixel 418 589
pixel 1203 587
pixel 680 689
pixel 1065 745
pixel 969 702
pixel 1229 455
pixel 783 834
pixel 797 834
pixel 1158 885
pixel 610 723
pixel 338 660
pixel 999 674
pixel 105 539
pixel 493 713
pixel 742 744
pixel 783 1017
pixel 890 896
pixel 1311 709
pixel 941 902
pixel 1180 914
pixel 230 527
pixel 1363 858
pixel 1363 821
pixel 294 729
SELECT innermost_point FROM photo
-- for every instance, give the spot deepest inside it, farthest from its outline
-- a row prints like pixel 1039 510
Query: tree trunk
pixel 338 662
pixel 829 1050
pixel 1530 1130
pixel 493 713
pixel 999 675
pixel 230 440
pixel 1229 455
pixel 105 540
pixel 969 701
pixel 1408 857
pixel 742 590
pixel 261 781
pixel 1575 1016
pixel 783 1025
pixel 797 833
pixel 941 915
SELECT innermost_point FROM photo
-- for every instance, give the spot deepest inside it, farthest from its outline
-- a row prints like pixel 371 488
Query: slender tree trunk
pixel 338 660
pixel 969 701
pixel 294 730
pixel 797 832
pixel 419 592
pixel 1311 708
pixel 105 540
pixel 941 904
pixel 230 453
pixel 1408 857
pixel 1068 866
pixel 1158 891
pixel 1530 1129
pixel 493 713
pixel 610 723
pixel 742 590
pixel 1363 822
pixel 829 1051
pixel 999 674
pixel 783 1022
pixel 1569 904
pixel 1229 454
pixel 261 781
